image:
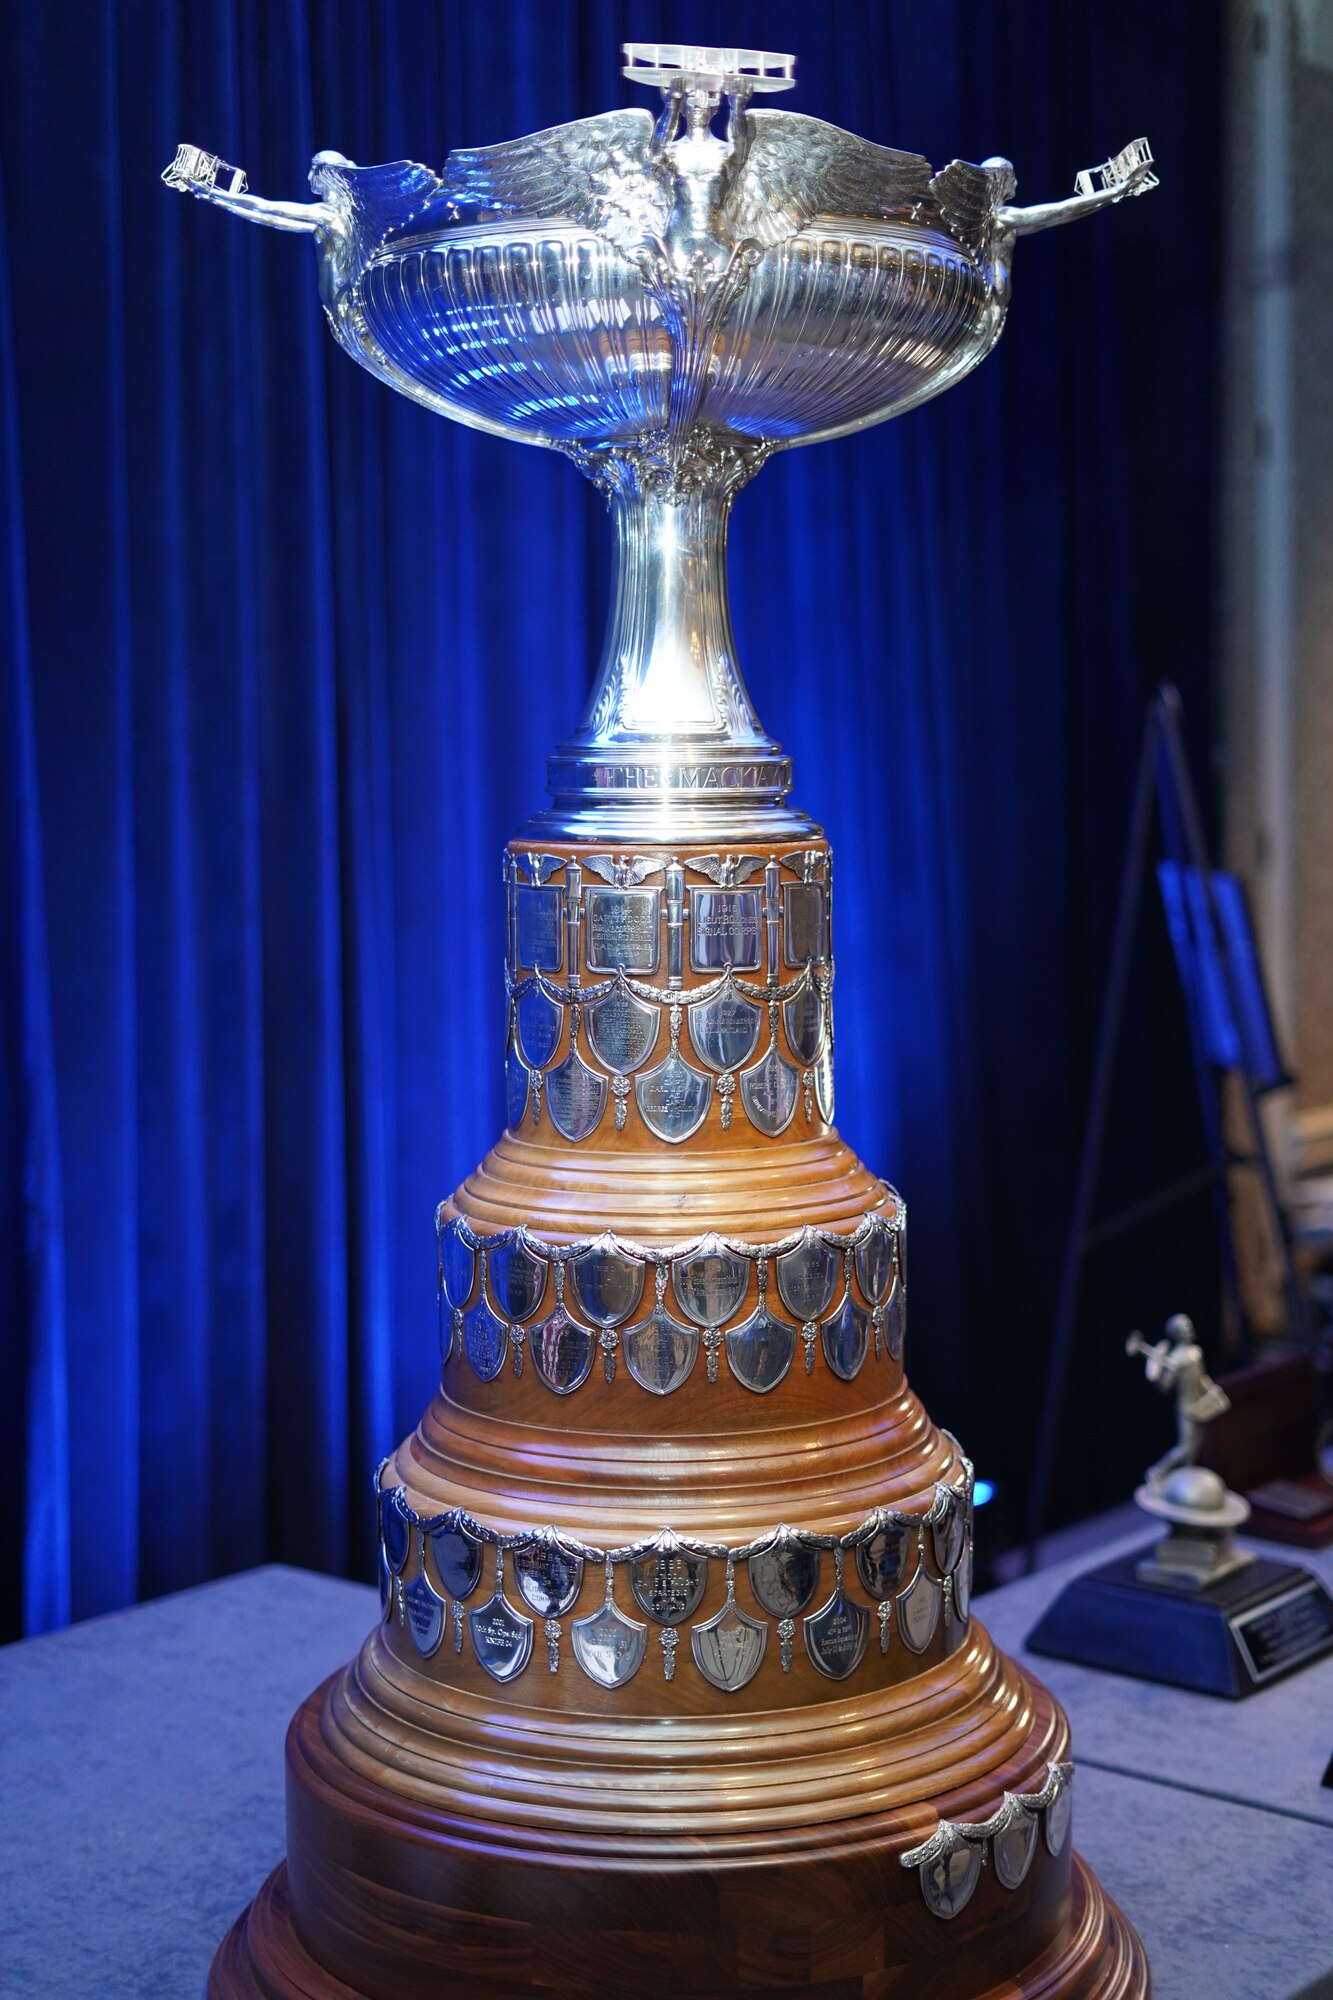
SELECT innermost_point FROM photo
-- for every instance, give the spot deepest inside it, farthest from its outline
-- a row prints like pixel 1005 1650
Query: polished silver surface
pixel 836 1635
pixel 622 1031
pixel 725 1030
pixel 485 1340
pixel 608 1281
pixel 425 1615
pixel 668 300
pixel 607 1645
pixel 501 1637
pixel 456 1550
pixel 760 1349
pixel 948 1532
pixel 729 1647
pixel 673 1098
pixel 846 1338
pixel 919 1610
pixel 660 1352
pixel 549 1575
pixel 710 1282
pixel 785 1575
pixel 881 1559
pixel 562 1352
pixel 668 1581
pixel 624 930
pixel 949 1863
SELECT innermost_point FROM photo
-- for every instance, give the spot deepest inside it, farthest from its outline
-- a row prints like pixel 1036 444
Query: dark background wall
pixel 282 658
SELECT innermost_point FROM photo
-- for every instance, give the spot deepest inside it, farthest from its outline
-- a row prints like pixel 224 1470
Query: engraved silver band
pixel 514 1294
pixel 668 1575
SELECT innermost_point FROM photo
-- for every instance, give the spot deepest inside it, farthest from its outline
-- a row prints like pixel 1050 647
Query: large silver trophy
pixel 675 1303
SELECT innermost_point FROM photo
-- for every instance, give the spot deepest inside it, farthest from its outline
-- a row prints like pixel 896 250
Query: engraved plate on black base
pixel 1231 1639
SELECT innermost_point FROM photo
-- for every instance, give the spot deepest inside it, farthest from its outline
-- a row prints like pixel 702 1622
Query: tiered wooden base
pixel 449 1835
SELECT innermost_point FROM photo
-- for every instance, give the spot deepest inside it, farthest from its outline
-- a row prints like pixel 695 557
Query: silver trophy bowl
pixel 668 301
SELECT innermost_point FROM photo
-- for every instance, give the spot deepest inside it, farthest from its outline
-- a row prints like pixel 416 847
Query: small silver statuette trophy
pixel 1192 1609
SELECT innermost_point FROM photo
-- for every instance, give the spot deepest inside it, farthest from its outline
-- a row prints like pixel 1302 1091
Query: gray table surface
pixel 141 1780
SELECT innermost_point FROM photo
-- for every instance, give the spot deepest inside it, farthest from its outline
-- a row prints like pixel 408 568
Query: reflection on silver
pixel 804 923
pixel 485 1337
pixel 1014 1847
pixel 607 1645
pixel 919 1611
pixel 516 1089
pixel 803 1018
pixel 517 1277
pixel 895 1321
pixel 948 1530
pixel 785 1576
pixel 575 1097
pixel 1059 1813
pixel 806 1277
pixel 393 1531
pixel 729 1647
pixel 948 1881
pixel 456 1553
pixel 660 1352
pixel 562 1352
pixel 949 1862
pixel 710 1283
pixel 621 1029
pixel 725 1030
pixel 882 1558
pixel 770 1091
pixel 549 1576
pixel 724 930
pixel 673 1098
pixel 760 1349
pixel 962 1586
pixel 668 1582
pixel 457 1266
pixel 824 1083
pixel 501 1637
pixel 607 1283
pixel 537 918
pixel 836 1635
pixel 425 1615
pixel 874 1264
pixel 624 929
pixel 846 1337
pixel 539 1023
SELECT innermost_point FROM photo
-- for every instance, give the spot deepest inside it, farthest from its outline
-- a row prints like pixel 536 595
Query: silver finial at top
pixel 725 70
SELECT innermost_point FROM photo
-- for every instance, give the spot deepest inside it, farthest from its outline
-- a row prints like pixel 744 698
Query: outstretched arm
pixel 1128 173
pixel 195 172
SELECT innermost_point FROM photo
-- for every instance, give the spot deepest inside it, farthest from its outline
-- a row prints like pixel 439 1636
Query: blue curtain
pixel 282 658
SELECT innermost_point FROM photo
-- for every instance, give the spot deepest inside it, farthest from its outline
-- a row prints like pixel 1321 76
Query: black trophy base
pixel 1228 1639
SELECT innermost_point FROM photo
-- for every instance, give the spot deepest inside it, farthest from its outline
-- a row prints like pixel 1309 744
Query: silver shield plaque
pixel 549 1577
pixel 1014 1848
pixel 621 1029
pixel 575 1097
pixel 895 1323
pixel 948 1531
pixel 711 1282
pixel 516 1089
pixel 624 929
pixel 882 1558
pixel 725 1030
pixel 659 1352
pixel 846 1337
pixel 804 923
pixel 673 1098
pixel 785 1577
pixel 457 1265
pixel 760 1350
pixel 668 1583
pixel 485 1339
pixel 803 1018
pixel 962 1586
pixel 607 1283
pixel 394 1531
pixel 607 1645
pixel 824 1084
pixel 501 1637
pixel 562 1352
pixel 540 1020
pixel 517 1278
pixel 725 929
pixel 807 1276
pixel 874 1263
pixel 729 1648
pixel 919 1611
pixel 770 1091
pixel 537 914
pixel 947 1882
pixel 836 1635
pixel 456 1553
pixel 1057 1816
pixel 424 1612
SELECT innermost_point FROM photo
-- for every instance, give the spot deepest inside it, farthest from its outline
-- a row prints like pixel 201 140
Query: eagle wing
pixel 598 172
pixel 967 198
pixel 796 168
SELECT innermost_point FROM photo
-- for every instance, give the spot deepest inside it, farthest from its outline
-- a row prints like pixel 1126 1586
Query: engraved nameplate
pixel 760 1350
pixel 549 1577
pixel 769 1092
pixel 845 1337
pixel 425 1616
pixel 729 1648
pixel 725 1030
pixel 806 1277
pixel 785 1577
pixel 457 1553
pixel 710 1284
pixel 609 1646
pixel 804 923
pixel 874 1264
pixel 621 1029
pixel 919 1611
pixel 668 1584
pixel 673 1099
pixel 608 1284
pixel 660 1352
pixel 725 929
pixel 575 1097
pixel 836 1636
pixel 485 1338
pixel 501 1637
pixel 518 1279
pixel 562 1352
pixel 882 1558
pixel 803 1018
pixel 540 943
pixel 624 929
pixel 539 1022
